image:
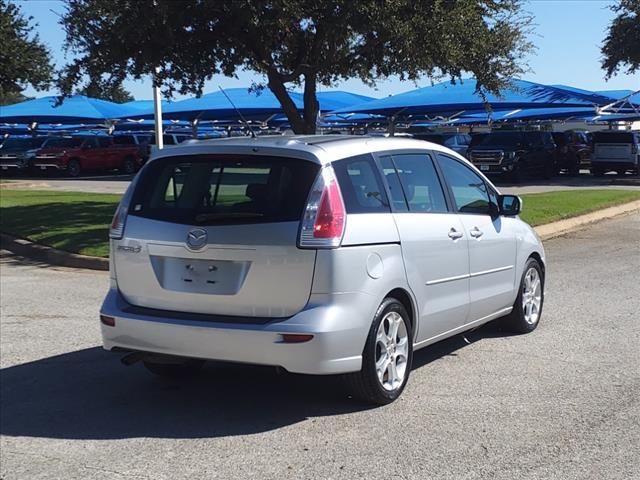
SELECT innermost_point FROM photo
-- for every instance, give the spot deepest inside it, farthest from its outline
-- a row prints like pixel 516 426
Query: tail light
pixel 116 231
pixel 324 217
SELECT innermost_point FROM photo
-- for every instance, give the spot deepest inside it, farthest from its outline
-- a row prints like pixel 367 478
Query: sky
pixel 567 34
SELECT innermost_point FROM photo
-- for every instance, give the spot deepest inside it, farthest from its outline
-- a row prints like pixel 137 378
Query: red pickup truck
pixel 77 154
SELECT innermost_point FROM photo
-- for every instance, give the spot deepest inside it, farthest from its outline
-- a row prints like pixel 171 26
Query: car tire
pixel 548 171
pixel 129 166
pixel 386 358
pixel 515 176
pixel 574 170
pixel 73 168
pixel 527 309
pixel 185 369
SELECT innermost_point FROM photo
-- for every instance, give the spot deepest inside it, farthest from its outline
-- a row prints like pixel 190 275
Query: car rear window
pixel 613 137
pixel 361 185
pixel 224 189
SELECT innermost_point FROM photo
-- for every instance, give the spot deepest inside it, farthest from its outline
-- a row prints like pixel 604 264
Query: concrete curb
pixel 50 255
pixel 562 227
pixel 53 256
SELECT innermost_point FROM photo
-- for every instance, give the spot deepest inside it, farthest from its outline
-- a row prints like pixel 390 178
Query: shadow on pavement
pixel 88 394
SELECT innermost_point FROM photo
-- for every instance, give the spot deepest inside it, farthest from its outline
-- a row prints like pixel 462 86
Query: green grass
pixel 541 208
pixel 79 222
pixel 71 221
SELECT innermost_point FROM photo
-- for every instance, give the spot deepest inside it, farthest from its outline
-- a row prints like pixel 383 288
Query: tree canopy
pixel 24 60
pixel 294 43
pixel 104 90
pixel 621 46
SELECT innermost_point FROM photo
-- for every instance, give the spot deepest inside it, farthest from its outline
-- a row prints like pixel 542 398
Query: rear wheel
pixel 73 168
pixel 184 369
pixel 527 309
pixel 387 356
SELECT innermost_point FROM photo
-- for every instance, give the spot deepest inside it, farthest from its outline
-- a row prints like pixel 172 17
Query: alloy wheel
pixel 531 296
pixel 392 351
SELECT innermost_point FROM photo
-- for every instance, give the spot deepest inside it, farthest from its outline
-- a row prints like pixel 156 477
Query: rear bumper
pixel 339 324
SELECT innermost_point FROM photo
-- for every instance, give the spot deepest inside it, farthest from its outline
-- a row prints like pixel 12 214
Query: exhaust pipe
pixel 133 357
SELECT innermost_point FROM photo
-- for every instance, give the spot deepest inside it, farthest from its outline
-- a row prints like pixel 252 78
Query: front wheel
pixel 387 356
pixel 527 309
pixel 73 168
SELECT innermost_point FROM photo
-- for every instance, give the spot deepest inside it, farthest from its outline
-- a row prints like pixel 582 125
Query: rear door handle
pixel 476 233
pixel 454 234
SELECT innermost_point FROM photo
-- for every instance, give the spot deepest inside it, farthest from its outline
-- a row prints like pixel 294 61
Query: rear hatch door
pixel 217 234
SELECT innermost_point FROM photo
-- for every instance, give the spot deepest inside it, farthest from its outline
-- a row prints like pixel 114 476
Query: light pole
pixel 157 111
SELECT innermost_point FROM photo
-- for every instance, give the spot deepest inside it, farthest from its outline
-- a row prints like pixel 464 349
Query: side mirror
pixel 509 205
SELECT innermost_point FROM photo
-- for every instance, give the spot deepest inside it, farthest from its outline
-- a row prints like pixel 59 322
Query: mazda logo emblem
pixel 197 238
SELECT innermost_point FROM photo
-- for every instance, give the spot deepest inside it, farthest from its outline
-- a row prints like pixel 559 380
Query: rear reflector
pixel 108 321
pixel 295 337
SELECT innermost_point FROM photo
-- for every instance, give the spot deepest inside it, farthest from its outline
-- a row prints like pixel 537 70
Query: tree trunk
pixel 276 85
pixel 311 105
pixel 301 124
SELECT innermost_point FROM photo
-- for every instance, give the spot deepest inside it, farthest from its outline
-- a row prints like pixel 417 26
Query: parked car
pixel 573 151
pixel 317 254
pixel 76 154
pixel 16 153
pixel 140 140
pixel 617 151
pixel 514 153
pixel 168 140
pixel 458 142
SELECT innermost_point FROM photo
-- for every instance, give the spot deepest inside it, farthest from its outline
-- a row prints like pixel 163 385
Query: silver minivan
pixel 316 254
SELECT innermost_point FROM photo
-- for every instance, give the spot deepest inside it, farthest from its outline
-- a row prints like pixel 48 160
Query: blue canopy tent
pixel 447 98
pixel 252 105
pixel 216 106
pixel 75 109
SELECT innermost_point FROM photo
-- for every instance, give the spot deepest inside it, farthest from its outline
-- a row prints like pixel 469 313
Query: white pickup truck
pixel 617 151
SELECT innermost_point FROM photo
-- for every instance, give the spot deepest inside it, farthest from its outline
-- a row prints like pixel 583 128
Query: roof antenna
pixel 244 121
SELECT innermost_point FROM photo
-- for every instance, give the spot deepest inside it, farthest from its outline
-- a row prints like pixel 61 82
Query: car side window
pixel 393 182
pixel 361 185
pixel 420 183
pixel 469 190
pixel 103 142
pixel 90 143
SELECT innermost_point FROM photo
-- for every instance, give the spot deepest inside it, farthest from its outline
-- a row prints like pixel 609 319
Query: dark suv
pixel 16 153
pixel 514 153
pixel 573 151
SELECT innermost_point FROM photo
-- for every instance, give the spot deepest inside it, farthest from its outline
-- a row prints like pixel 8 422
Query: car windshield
pixel 61 142
pixel 22 143
pixel 500 138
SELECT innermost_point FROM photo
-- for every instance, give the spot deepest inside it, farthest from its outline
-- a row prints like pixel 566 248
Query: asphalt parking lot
pixel 561 403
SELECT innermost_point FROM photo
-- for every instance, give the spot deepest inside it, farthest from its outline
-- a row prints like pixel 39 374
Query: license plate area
pixel 484 168
pixel 213 277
